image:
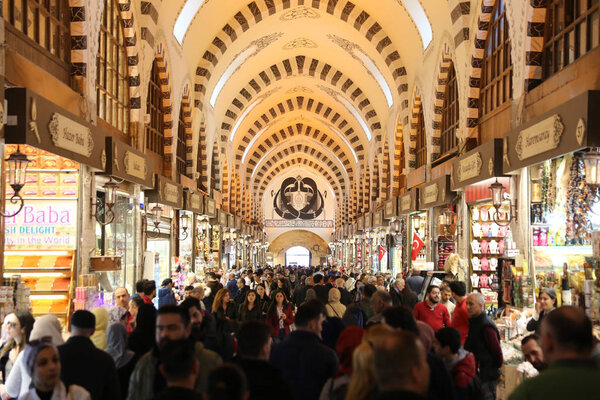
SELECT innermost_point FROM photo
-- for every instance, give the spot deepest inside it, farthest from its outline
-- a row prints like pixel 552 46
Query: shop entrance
pixel 297 256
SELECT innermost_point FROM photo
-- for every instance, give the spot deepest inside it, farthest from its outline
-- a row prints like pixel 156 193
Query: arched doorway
pixel 297 256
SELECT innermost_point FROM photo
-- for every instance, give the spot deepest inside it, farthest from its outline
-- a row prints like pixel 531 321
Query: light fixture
pixel 184 221
pixel 446 219
pixel 110 196
pixel 156 212
pixel 17 172
pixel 591 162
pixel 417 222
pixel 497 190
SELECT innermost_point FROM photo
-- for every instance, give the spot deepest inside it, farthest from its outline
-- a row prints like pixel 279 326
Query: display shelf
pixel 580 250
pixel 49 292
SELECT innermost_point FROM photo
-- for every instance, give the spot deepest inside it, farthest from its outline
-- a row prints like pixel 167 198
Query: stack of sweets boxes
pixel 86 292
pixel 14 296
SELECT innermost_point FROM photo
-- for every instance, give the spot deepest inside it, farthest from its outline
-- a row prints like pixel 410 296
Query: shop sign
pixel 70 135
pixel 361 223
pixel 135 165
pixel 196 202
pixel 43 225
pixel 469 167
pixel 210 207
pixel 378 218
pixel 125 162
pixel 166 192
pixel 171 193
pixel 430 194
pixel 231 220
pixel 390 208
pixel 540 138
pixel 222 218
pixel 405 202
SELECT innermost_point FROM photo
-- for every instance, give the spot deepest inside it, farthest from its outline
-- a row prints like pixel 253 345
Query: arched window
pixel 155 137
pixel 450 114
pixel 181 146
pixel 421 147
pixel 112 86
pixel 44 22
pixel 572 30
pixel 496 75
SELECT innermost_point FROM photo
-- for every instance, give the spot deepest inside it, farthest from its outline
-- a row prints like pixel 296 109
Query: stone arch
pixel 386 186
pixel 308 104
pixel 216 182
pixel 417 107
pixel 299 237
pixel 186 111
pixel 399 161
pixel 300 66
pixel 534 43
pixel 460 13
pixel 259 10
pixel 440 98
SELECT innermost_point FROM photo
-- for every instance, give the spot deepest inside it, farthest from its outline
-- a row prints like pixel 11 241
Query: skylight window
pixel 185 18
pixel 241 119
pixel 418 15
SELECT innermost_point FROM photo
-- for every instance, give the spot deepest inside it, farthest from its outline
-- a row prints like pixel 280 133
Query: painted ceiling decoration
pixel 299 198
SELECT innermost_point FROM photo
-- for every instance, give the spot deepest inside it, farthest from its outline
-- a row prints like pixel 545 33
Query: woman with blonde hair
pixel 334 307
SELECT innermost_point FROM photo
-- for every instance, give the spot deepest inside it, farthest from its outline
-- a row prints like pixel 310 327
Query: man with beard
pixel 431 311
pixel 530 345
pixel 172 323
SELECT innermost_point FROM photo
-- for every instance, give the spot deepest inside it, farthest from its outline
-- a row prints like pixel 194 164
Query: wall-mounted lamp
pixel 156 212
pixel 446 220
pixel 417 219
pixel 110 196
pixel 17 171
pixel 184 221
pixel 591 162
pixel 497 190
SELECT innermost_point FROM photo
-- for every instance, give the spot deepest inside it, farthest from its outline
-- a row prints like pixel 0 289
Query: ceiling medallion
pixel 300 89
pixel 299 12
pixel 299 43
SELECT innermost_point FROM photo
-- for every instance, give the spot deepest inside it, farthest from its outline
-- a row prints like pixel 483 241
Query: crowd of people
pixel 292 333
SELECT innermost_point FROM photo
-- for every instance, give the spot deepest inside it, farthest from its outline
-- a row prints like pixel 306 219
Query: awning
pixel 479 164
pixel 125 162
pixel 436 193
pixel 36 121
pixel 572 126
pixel 166 192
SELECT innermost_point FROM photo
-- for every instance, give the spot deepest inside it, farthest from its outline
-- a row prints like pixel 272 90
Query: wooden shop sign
pixel 194 202
pixel 479 164
pixel 125 162
pixel 390 209
pixel 436 193
pixel 36 121
pixel 378 219
pixel 210 207
pixel 408 202
pixel 570 127
pixel 166 192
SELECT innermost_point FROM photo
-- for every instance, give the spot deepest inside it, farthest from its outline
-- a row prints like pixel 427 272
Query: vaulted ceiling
pixel 317 83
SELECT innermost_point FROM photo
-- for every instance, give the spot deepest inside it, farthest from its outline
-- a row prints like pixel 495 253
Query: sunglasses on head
pixel 11 324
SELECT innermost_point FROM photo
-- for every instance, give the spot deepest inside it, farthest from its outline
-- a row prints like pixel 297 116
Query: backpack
pixel 355 315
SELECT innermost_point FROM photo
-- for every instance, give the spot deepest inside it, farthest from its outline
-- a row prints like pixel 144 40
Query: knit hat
pixel 83 319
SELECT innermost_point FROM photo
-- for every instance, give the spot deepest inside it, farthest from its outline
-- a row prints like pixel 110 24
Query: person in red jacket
pixel 460 318
pixel 280 316
pixel 459 362
pixel 431 311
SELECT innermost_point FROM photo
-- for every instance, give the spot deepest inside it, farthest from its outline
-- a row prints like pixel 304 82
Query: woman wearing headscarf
pixel 142 338
pixel 99 335
pixel 334 308
pixel 335 388
pixel 125 359
pixel 46 326
pixel 43 364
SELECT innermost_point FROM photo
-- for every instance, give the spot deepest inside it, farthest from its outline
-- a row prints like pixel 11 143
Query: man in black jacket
pixel 321 290
pixel 254 348
pixel 305 362
pixel 83 364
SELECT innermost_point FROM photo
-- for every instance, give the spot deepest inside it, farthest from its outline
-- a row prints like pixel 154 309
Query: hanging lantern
pixel 591 161
pixel 496 188
pixel 17 174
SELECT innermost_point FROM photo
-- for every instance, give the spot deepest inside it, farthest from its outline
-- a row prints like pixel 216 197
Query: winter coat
pixel 165 296
pixel 60 393
pixel 273 320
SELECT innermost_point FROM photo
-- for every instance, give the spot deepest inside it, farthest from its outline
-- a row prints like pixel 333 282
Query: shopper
pixel 121 296
pixel 546 303
pixel 19 380
pixel 459 362
pixel 483 340
pixel 242 290
pixel 567 342
pixel 20 325
pixel 380 300
pixel 320 289
pixel 334 307
pixel 265 381
pixel 415 281
pixel 396 292
pixel 232 285
pixel 401 368
pixel 446 294
pixel 431 311
pixel 250 309
pixel 345 296
pixel 460 318
pixel 305 363
pixel 223 307
pixel 134 305
pixel 44 366
pixel 125 359
pixel 280 316
pixel 532 351
pixel 165 293
pixel 149 292
pixel 172 323
pixel 336 388
pixel 180 369
pixel 141 340
pixel 227 382
pixel 99 335
pixel 362 385
pixel 85 365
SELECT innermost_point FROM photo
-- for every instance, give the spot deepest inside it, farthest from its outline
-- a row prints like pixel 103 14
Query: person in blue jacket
pixel 165 293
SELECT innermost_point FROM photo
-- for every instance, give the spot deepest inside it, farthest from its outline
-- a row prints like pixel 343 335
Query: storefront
pixel 219 225
pixel 362 260
pixel 44 221
pixel 494 266
pixel 190 225
pixel 416 220
pixel 395 239
pixel 556 157
pixel 164 203
pixel 116 229
pixel 381 241
pixel 210 239
pixel 438 199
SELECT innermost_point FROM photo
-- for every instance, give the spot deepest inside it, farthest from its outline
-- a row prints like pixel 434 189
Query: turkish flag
pixel 381 253
pixel 417 245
